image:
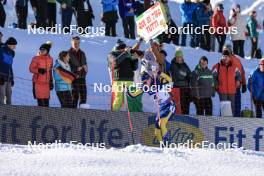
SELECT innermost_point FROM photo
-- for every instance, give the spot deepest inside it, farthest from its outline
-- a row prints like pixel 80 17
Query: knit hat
pixel 120 45
pixel 220 6
pixel 11 41
pixel 204 58
pixel 228 47
pixel 179 53
pixel 45 46
pixel 226 53
pixel 261 61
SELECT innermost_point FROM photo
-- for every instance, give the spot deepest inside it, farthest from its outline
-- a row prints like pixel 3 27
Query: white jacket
pixel 240 23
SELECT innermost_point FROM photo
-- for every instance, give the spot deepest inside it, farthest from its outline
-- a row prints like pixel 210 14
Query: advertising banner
pixel 24 125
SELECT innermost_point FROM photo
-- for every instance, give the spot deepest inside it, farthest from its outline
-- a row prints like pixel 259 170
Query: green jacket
pixel 202 83
pixel 252 26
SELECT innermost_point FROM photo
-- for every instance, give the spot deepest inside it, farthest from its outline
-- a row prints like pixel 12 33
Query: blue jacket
pixel 257 80
pixel 187 10
pixel 60 83
pixel 109 5
pixel 6 61
pixel 124 6
pixel 200 16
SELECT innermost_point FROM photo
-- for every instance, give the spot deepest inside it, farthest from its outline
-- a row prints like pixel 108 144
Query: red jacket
pixel 41 81
pixel 219 21
pixel 226 77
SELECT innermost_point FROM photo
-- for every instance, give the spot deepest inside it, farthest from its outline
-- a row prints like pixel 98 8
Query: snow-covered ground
pixel 132 161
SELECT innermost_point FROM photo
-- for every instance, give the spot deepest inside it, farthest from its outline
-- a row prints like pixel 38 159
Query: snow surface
pixel 132 161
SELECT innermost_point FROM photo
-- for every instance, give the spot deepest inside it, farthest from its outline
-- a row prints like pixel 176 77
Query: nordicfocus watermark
pixel 192 29
pixel 200 145
pixel 72 29
pixel 99 87
pixel 71 145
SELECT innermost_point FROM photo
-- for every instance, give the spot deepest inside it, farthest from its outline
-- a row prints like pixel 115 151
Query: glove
pixel 244 88
pixel 2 81
pixel 42 71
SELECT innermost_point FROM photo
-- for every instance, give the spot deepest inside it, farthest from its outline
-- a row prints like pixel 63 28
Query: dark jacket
pixel 201 16
pixel 6 61
pixel 84 17
pixel 180 74
pixel 67 2
pixel 139 8
pixel 202 83
pixel 256 83
pixel 122 66
pixel 22 3
pixel 124 7
pixel 78 59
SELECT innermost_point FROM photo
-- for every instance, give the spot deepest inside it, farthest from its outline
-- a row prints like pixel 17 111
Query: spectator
pixel 239 22
pixel 202 82
pixel 22 13
pixel 66 14
pixel 227 79
pixel 2 13
pixel 110 16
pixel 40 7
pixel 169 37
pixel 63 80
pixel 181 74
pixel 187 10
pixel 127 13
pixel 7 55
pixel 41 68
pixel 122 65
pixel 202 18
pixel 253 27
pixel 84 13
pixel 243 83
pixel 255 86
pixel 219 24
pixel 79 67
pixel 51 16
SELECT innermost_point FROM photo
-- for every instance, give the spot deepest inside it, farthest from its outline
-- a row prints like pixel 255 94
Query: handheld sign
pixel 151 23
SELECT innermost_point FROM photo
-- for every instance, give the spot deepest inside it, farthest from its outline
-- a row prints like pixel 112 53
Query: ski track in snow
pixel 133 160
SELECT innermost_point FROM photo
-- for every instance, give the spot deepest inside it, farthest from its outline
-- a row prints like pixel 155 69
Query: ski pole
pixel 154 70
pixel 129 115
